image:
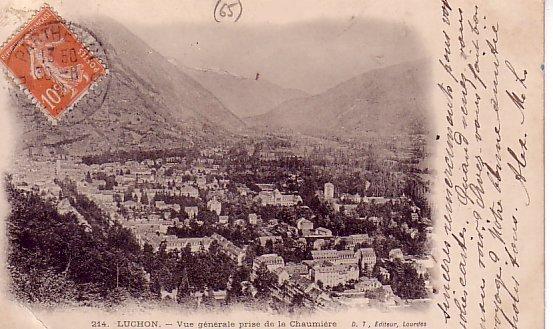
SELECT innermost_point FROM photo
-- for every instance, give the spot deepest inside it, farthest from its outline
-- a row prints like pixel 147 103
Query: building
pixel 353 240
pixel 192 212
pixel 368 284
pixel 215 205
pixel 367 259
pixel 318 233
pixel 376 221
pixel 161 205
pixel 266 187
pixel 383 274
pixel 272 261
pixel 196 244
pixel 282 275
pixel 294 269
pixel 278 199
pixel 314 296
pixel 349 209
pixel 273 238
pixel 189 191
pixel 332 275
pixel 252 219
pixel 335 256
pixel 396 254
pixel 319 244
pixel 230 249
pixel 282 228
pixel 100 197
pixel 223 219
pixel 329 191
pixel 201 182
pixel 420 268
pixel 145 227
pixel 304 224
pixel 375 199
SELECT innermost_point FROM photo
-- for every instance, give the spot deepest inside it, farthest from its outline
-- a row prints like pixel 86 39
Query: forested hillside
pixel 54 259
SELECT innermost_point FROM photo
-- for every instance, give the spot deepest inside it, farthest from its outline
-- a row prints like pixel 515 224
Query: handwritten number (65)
pixel 222 10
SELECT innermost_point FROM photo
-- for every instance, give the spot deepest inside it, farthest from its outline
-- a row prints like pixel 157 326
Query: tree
pixel 405 281
pixel 269 247
pixel 144 199
pixel 183 294
pixel 207 216
pixel 340 287
pixel 54 258
pixel 128 195
pixel 234 289
pixel 297 301
pixel 341 245
pixel 264 281
pixel 88 178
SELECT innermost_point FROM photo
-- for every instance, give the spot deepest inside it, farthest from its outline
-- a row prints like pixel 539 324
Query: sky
pixel 312 56
pixel 310 45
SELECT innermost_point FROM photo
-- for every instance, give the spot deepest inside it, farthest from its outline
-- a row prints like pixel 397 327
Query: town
pixel 284 234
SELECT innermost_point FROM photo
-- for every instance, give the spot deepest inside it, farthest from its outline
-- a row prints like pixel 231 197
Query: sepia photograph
pixel 301 184
pixel 290 165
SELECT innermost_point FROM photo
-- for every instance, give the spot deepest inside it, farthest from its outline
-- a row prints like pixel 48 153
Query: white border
pixel 548 169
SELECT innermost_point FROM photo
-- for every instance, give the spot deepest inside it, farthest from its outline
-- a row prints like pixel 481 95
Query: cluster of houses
pixel 327 268
pixel 329 276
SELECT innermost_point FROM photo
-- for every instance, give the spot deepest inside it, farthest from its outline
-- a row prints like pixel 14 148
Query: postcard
pixel 272 164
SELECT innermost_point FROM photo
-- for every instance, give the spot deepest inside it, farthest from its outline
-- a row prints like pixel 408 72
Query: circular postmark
pixel 93 100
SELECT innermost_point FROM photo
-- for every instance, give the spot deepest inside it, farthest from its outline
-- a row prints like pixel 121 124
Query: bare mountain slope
pixel 183 96
pixel 148 102
pixel 243 96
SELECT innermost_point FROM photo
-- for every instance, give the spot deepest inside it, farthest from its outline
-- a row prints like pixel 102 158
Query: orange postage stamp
pixel 50 64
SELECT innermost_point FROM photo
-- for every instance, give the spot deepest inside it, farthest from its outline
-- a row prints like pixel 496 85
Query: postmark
pixel 50 64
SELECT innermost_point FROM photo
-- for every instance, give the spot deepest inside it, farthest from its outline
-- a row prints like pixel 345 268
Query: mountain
pixel 381 102
pixel 144 102
pixel 244 97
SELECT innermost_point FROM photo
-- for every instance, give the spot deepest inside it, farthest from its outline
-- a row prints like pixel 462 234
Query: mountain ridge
pixel 378 102
pixel 146 102
pixel 241 95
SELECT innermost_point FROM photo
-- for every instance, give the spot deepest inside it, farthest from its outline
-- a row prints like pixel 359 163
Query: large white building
pixel 332 275
pixel 272 261
pixel 278 199
pixel 335 256
pixel 196 244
